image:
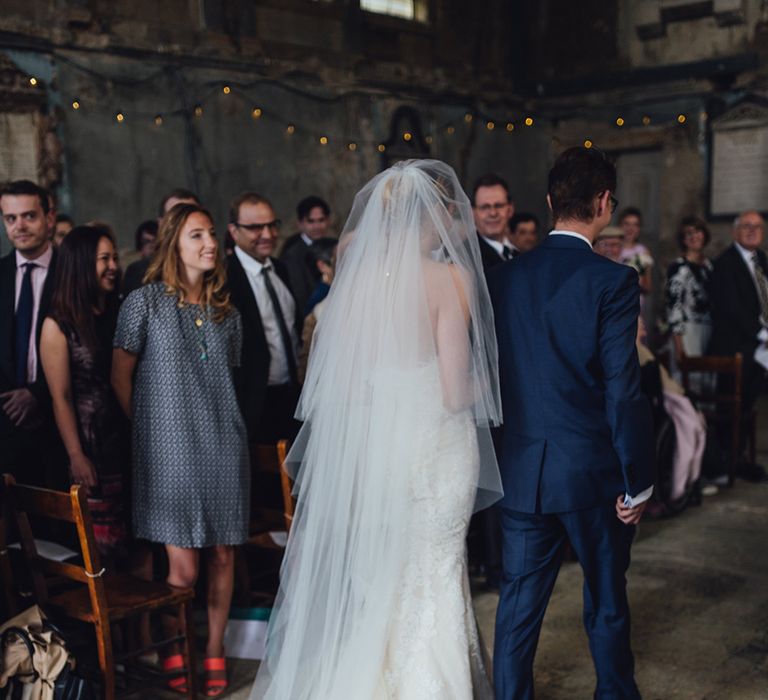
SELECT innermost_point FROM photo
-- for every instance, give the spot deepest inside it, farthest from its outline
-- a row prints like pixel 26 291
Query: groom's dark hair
pixel 577 177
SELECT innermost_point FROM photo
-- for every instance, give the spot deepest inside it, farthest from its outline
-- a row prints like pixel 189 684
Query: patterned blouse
pixel 687 296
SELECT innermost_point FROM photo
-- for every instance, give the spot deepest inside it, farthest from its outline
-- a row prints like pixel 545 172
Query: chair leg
pixel 106 660
pixel 187 627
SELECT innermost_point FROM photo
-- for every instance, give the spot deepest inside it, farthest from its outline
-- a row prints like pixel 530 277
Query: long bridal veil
pixel 406 338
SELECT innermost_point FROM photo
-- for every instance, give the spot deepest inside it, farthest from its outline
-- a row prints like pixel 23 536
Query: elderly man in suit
pixel 739 301
pixel 267 381
pixel 492 208
pixel 576 457
pixel 26 286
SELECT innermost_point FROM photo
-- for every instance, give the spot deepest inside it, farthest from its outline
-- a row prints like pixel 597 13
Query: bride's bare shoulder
pixel 442 278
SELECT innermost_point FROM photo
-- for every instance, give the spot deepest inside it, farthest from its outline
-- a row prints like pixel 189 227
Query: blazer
pixel 252 375
pixel 302 274
pixel 577 429
pixel 7 343
pixel 488 255
pixel 735 305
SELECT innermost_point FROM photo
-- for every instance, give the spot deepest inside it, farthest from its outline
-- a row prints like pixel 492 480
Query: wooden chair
pixel 720 408
pixel 289 502
pixel 97 597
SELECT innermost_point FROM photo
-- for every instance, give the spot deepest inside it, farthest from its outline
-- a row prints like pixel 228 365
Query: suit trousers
pixel 533 550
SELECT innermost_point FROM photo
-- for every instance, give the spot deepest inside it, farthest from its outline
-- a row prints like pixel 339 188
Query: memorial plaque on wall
pixel 739 165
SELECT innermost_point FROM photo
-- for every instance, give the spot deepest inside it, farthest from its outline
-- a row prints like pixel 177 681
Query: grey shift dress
pixel 191 475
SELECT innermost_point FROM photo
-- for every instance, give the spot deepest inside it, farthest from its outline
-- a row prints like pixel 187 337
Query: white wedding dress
pixel 393 457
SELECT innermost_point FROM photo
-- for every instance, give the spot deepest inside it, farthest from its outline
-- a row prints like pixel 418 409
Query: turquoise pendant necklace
pixel 201 344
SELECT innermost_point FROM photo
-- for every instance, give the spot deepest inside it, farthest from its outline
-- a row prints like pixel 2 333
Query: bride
pixel 393 457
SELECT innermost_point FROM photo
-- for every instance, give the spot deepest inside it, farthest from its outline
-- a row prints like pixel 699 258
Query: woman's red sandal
pixel 215 686
pixel 176 663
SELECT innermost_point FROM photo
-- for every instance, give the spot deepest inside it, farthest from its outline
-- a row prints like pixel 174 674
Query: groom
pixel 577 457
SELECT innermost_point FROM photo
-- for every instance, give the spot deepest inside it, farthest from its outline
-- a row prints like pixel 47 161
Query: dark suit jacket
pixel 735 305
pixel 488 255
pixel 302 273
pixel 134 275
pixel 7 341
pixel 577 429
pixel 252 375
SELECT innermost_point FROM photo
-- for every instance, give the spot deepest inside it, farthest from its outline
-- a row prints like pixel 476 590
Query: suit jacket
pixel 7 342
pixel 252 375
pixel 577 429
pixel 488 255
pixel 134 275
pixel 302 274
pixel 735 305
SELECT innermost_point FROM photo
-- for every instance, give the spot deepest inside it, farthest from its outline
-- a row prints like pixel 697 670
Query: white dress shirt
pixel 254 271
pixel 499 247
pixel 39 273
pixel 643 496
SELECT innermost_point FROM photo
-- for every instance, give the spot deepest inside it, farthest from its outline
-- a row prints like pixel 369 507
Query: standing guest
pixel 609 243
pixel 135 272
pixel 634 253
pixel 26 285
pixel 178 339
pixel 523 232
pixel 62 227
pixel 323 256
pixel 739 305
pixel 76 354
pixel 313 214
pixel 492 209
pixel 145 242
pixel 267 382
pixel 688 276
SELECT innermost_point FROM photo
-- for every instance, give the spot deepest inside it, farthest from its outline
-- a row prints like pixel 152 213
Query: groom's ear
pixel 549 202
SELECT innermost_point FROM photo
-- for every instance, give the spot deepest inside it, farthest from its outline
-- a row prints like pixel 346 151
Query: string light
pixel 120 117
pixel 510 127
pixel 352 146
pixel 468 117
pixel 290 129
pixel 529 121
pixel 407 136
pixel 428 139
pixel 159 120
pixel 450 130
pixel 256 112
pixel 323 140
pixel 646 120
pixel 587 143
pixel 381 148
pixel 75 104
pixel 490 126
pixel 226 89
pixel 198 111
pixel 619 121
pixel 681 118
pixel 33 81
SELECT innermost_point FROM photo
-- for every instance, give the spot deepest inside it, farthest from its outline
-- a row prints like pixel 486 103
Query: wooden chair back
pixel 718 365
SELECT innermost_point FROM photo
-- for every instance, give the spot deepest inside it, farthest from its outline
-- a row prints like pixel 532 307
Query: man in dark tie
pixel 492 208
pixel 267 381
pixel 27 436
pixel 739 302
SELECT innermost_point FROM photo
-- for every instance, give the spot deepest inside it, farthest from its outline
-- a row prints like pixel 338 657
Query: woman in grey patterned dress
pixel 182 338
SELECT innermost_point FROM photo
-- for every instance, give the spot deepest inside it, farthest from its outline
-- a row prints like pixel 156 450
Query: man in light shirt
pixel 267 380
pixel 492 208
pixel 739 304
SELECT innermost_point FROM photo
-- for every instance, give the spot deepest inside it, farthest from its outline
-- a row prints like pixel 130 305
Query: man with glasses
pixel 267 381
pixel 738 292
pixel 492 209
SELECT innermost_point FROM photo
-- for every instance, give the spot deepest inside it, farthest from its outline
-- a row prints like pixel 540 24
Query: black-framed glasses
pixel 260 228
pixel 614 204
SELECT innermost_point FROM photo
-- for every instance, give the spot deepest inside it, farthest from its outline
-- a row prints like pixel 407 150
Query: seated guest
pixel 267 382
pixel 62 227
pixel 738 295
pixel 313 214
pixel 634 253
pixel 492 208
pixel 523 232
pixel 30 447
pixel 146 239
pixel 609 243
pixel 178 339
pixel 76 354
pixel 688 316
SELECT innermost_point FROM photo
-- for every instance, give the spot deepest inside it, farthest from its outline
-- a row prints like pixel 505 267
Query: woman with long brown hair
pixel 76 353
pixel 177 341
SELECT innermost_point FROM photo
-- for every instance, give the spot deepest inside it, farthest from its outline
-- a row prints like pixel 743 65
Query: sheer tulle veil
pixel 406 336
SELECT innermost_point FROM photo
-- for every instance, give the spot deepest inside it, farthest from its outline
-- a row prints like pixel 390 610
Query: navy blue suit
pixel 577 434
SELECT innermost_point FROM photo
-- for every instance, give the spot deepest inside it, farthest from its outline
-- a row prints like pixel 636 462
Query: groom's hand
pixel 629 516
